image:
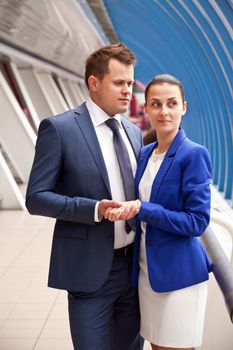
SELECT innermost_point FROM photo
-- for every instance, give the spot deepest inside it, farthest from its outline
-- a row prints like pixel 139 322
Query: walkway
pixel 34 317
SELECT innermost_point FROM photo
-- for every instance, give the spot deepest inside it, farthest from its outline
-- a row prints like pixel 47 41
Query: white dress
pixel 171 319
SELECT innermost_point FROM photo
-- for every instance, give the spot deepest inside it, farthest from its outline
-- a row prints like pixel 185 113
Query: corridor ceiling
pixel 192 40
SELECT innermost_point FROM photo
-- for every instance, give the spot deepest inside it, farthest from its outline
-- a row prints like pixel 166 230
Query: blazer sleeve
pixel 41 196
pixel 193 219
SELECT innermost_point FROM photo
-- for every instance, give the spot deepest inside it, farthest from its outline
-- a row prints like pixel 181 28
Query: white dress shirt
pixel 105 138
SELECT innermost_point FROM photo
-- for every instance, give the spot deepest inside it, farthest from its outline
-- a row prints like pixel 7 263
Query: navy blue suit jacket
pixel 68 177
pixel 176 215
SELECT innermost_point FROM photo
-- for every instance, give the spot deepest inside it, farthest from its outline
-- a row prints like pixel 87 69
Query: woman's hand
pixel 126 211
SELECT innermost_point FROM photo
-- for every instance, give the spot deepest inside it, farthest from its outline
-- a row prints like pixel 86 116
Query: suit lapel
pixel 85 124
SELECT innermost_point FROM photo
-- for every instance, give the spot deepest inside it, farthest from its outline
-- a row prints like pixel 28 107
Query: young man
pixel 76 175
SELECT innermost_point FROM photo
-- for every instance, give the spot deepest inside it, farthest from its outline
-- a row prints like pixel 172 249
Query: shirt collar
pixel 98 116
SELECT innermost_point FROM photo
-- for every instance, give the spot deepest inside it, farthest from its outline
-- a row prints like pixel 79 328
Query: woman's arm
pixel 195 192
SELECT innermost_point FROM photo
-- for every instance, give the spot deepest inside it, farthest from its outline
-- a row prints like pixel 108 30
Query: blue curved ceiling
pixel 191 40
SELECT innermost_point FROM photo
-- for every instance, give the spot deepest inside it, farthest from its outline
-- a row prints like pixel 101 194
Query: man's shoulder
pixel 69 114
pixel 65 117
pixel 63 121
pixel 129 124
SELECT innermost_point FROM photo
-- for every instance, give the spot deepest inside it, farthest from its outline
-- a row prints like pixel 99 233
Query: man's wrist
pixel 97 217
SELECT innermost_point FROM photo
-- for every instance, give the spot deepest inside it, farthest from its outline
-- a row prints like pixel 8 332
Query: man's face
pixel 113 93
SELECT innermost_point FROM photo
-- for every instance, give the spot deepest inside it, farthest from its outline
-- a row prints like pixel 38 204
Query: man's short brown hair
pixel 97 63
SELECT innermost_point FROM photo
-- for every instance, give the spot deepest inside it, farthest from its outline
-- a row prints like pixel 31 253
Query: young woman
pixel 170 266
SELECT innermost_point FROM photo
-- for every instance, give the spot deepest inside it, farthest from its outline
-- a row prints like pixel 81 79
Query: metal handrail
pixel 221 267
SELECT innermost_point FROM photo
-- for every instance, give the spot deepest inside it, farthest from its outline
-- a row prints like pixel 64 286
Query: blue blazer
pixel 68 177
pixel 176 215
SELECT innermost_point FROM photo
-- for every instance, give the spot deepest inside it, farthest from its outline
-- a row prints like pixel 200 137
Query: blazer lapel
pixel 85 124
pixel 169 157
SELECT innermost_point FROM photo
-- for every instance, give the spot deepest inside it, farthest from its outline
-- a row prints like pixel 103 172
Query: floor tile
pixel 30 312
pixel 5 310
pixel 62 297
pixel 59 312
pixel 56 329
pixel 54 344
pixel 21 328
pixel 18 344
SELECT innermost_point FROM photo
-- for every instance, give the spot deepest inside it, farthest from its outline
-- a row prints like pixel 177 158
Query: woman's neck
pixel 162 147
pixel 164 142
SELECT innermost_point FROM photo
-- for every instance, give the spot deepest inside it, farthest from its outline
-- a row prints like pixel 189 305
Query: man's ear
pixel 92 83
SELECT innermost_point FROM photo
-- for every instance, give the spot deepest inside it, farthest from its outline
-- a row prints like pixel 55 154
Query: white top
pixel 105 138
pixel 147 179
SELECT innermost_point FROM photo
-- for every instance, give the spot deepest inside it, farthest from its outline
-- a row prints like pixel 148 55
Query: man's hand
pixel 126 211
pixel 105 204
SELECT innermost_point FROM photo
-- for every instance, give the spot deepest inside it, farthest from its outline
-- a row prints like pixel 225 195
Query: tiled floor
pixel 34 317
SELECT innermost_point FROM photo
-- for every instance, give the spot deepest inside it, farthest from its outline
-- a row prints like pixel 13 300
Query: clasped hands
pixel 115 210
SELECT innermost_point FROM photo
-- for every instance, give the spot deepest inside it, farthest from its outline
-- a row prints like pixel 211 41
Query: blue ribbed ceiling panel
pixel 193 41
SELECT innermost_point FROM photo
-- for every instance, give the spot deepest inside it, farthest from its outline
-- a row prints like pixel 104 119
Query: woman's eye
pixel 172 104
pixel 156 104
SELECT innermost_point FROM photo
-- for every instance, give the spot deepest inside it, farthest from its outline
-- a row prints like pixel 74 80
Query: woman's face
pixel 165 107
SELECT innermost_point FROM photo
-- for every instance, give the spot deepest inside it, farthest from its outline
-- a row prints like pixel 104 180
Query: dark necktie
pixel 125 167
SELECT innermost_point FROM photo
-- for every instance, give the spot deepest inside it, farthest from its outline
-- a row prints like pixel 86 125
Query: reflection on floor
pixel 34 317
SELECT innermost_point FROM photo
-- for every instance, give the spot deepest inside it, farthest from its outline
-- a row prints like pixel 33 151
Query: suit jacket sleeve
pixel 42 197
pixel 193 219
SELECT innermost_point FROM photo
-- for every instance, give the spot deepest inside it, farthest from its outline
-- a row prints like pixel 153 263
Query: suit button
pixel 149 243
